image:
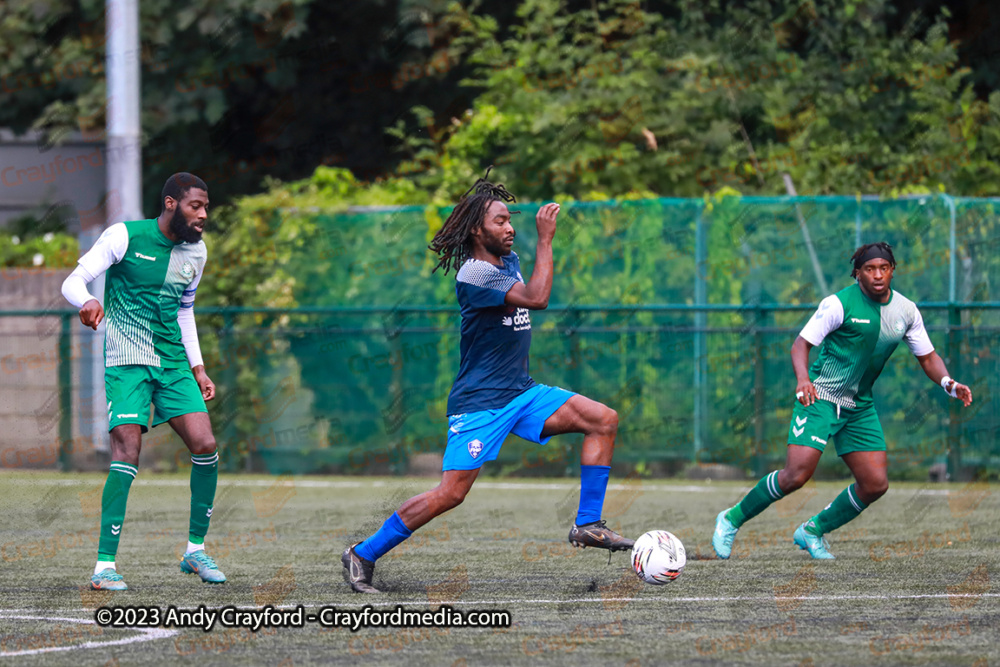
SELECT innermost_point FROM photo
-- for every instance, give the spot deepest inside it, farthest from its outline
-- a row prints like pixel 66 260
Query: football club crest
pixel 187 271
pixel 475 447
pixel 899 326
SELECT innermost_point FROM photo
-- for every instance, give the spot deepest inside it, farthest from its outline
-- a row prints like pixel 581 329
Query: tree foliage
pixel 234 91
pixel 611 100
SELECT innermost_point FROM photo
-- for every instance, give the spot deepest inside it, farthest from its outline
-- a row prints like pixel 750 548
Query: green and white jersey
pixel 149 279
pixel 858 335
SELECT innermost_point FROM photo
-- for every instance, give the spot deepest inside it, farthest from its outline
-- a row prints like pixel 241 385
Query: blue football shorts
pixel 476 437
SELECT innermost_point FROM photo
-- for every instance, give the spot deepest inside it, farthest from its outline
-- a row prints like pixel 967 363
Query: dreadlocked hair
pixel 859 253
pixel 453 242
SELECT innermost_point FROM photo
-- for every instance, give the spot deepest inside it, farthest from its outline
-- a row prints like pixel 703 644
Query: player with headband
pixel 858 328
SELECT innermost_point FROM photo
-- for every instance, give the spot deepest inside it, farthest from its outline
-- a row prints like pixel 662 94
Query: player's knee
pixel 608 422
pixel 452 496
pixel 872 490
pixel 125 446
pixel 794 479
pixel 202 446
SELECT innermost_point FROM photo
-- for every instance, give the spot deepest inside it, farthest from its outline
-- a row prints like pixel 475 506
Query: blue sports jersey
pixel 495 338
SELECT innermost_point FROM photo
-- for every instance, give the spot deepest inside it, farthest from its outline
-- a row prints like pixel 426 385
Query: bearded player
pixel 152 355
pixel 493 394
pixel 858 328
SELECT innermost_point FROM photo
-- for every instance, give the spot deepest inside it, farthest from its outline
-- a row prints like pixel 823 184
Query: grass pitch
pixel 914 582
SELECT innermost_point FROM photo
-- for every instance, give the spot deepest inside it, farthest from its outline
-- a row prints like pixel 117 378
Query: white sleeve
pixel 916 337
pixel 185 318
pixel 828 318
pixel 109 249
pixel 74 288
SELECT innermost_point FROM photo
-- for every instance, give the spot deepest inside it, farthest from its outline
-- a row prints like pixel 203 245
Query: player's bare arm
pixel 805 392
pixel 535 295
pixel 935 369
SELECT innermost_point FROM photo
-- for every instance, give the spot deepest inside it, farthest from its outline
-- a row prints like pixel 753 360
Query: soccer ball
pixel 658 557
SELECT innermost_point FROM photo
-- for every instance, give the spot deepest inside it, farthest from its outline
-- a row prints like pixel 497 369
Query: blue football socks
pixel 385 539
pixel 593 485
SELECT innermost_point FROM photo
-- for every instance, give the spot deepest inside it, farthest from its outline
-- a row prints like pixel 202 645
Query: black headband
pixel 874 252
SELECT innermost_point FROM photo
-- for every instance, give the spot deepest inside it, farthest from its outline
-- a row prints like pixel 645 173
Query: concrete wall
pixel 29 375
pixel 35 175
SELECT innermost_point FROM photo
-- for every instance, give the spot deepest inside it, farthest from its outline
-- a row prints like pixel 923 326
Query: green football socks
pixel 844 508
pixel 204 479
pixel 756 501
pixel 113 502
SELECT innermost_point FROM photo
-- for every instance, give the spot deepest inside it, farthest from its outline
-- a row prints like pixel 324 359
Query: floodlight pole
pixel 123 160
pixel 124 131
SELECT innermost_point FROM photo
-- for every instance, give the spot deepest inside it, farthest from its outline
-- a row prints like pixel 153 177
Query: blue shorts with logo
pixel 476 437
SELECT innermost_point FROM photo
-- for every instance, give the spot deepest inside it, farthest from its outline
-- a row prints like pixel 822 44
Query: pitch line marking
pixel 148 634
pixel 737 598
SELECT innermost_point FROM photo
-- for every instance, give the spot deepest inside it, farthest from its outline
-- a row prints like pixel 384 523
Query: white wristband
pixel 944 385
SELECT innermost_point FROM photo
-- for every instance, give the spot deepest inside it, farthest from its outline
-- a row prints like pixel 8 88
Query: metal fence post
pixel 952 243
pixel 954 407
pixel 757 452
pixel 229 375
pixel 65 393
pixel 700 339
pixel 398 393
pixel 857 223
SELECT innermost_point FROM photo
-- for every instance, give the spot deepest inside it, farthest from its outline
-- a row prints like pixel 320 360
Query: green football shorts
pixel 856 429
pixel 130 389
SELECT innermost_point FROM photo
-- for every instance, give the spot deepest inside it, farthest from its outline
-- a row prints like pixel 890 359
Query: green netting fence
pixel 678 313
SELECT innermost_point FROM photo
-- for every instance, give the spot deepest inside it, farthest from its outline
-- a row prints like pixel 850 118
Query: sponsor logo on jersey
pixel 141 256
pixel 857 321
pixel 520 321
pixel 187 271
pixel 899 327
pixel 815 439
pixel 475 446
pixel 123 416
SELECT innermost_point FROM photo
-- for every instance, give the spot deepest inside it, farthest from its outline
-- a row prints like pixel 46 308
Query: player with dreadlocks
pixel 493 394
pixel 858 328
